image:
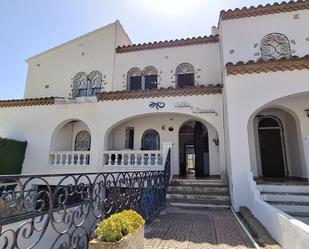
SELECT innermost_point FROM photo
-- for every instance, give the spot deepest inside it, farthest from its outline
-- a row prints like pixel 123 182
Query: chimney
pixel 214 31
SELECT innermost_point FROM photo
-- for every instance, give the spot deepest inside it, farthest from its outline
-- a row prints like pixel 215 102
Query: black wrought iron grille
pixel 62 210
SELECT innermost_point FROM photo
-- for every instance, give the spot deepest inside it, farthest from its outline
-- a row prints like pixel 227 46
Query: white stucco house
pixel 232 105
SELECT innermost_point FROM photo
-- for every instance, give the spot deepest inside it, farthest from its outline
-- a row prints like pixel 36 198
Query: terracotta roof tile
pixel 162 92
pixel 294 63
pixel 265 9
pixel 168 44
pixel 27 102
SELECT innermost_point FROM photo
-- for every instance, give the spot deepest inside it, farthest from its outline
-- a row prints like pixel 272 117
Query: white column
pixel 165 148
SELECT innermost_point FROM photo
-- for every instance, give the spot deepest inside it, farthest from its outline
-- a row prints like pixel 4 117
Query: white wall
pixel 58 66
pixel 37 125
pixel 205 59
pixel 254 91
pixel 244 35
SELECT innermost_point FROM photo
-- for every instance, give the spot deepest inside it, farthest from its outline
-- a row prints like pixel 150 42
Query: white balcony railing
pixel 132 160
pixel 69 158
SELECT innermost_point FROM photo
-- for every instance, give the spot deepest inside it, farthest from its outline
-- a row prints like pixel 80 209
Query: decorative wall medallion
pixel 275 46
pixel 157 105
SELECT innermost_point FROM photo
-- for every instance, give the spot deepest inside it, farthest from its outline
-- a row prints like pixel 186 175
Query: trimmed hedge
pixel 12 155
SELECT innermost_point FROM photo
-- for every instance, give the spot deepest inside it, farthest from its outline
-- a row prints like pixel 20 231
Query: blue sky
pixel 28 27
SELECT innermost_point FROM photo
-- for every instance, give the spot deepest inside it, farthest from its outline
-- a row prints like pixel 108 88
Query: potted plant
pixel 123 230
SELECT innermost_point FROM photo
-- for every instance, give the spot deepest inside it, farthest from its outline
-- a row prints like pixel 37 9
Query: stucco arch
pixel 62 139
pixel 189 117
pixel 296 166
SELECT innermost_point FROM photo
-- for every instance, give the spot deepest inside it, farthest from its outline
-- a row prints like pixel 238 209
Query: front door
pixel 271 148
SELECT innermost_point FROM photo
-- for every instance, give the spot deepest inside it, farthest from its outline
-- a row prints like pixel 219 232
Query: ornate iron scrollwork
pixel 61 211
pixel 157 105
pixel 87 85
pixel 275 46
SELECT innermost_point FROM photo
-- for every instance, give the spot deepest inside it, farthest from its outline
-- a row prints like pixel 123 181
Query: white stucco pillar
pixel 165 148
pixel 306 152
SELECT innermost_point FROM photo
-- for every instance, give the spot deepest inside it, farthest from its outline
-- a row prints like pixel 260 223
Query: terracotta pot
pixel 131 241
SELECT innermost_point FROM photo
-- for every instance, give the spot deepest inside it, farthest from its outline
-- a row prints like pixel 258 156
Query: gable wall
pixel 245 34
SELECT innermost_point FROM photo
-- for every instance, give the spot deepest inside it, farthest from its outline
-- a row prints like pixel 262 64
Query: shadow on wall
pixel 12 154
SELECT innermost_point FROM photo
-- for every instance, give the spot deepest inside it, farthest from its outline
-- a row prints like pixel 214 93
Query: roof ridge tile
pixel 273 65
pixel 168 43
pixel 266 9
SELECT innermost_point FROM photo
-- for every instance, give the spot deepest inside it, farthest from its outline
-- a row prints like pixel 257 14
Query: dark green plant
pixel 12 155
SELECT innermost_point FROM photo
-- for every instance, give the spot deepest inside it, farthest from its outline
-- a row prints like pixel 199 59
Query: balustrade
pixel 69 158
pixel 133 160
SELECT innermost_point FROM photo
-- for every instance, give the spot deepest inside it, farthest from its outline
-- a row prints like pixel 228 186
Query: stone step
pixel 304 188
pixel 200 183
pixel 285 196
pixel 290 206
pixel 299 214
pixel 197 204
pixel 198 189
pixel 196 197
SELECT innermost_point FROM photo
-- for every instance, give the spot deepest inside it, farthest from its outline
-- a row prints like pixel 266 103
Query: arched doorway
pixel 193 149
pixel 272 147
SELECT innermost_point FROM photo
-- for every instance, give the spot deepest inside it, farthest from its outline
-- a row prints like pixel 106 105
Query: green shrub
pixel 118 226
pixel 12 154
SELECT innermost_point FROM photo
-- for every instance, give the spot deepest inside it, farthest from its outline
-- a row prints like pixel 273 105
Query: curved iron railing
pixel 62 210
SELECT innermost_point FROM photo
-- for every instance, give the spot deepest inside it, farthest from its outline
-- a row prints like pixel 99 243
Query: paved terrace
pixel 178 228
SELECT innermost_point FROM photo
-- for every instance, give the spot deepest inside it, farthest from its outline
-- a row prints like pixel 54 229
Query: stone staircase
pixel 198 193
pixel 290 198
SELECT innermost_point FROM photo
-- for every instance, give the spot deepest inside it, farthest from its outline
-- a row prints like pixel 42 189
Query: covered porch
pixel 140 143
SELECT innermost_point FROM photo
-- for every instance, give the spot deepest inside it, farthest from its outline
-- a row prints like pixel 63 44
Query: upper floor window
pixel 87 85
pixel 185 75
pixel 275 46
pixel 82 141
pixel 134 79
pixel 150 75
pixel 138 80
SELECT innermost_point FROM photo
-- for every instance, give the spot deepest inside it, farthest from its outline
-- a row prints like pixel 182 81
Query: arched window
pixel 275 46
pixel 82 141
pixel 87 85
pixel 80 84
pixel 151 140
pixel 95 82
pixel 134 79
pixel 150 75
pixel 185 75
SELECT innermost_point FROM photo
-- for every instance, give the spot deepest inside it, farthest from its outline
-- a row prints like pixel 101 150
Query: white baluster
pixel 135 159
pixel 66 159
pixel 84 159
pixel 122 159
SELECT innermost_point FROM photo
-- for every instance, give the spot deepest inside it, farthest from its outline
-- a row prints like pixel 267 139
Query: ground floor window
pixel 151 140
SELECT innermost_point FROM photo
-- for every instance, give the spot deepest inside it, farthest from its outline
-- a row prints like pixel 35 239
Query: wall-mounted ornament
pixel 216 141
pixel 157 105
